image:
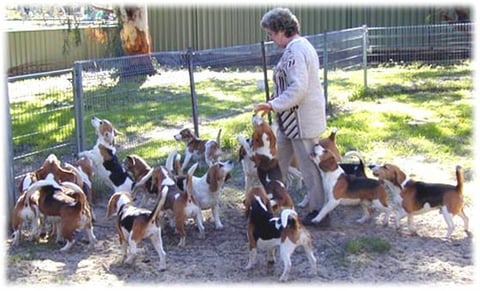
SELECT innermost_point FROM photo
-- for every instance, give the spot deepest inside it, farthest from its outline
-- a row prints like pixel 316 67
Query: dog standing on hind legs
pixel 196 147
pixel 341 188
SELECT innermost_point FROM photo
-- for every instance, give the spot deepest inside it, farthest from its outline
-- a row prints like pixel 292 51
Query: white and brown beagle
pixel 136 167
pixel 83 167
pixel 199 148
pixel 103 155
pixel 267 232
pixel 179 205
pixel 26 210
pixel 259 155
pixel 135 224
pixel 341 188
pixel 66 202
pixel 418 197
pixel 207 189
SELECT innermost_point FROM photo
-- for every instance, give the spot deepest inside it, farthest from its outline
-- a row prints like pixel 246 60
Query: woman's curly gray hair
pixel 281 19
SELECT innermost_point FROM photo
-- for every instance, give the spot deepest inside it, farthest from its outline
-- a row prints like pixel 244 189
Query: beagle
pixel 267 232
pixel 261 149
pixel 83 168
pixel 67 202
pixel 135 224
pixel 103 155
pixel 197 148
pixel 341 188
pixel 26 211
pixel 179 205
pixel 260 152
pixel 355 169
pixel 418 197
pixel 136 167
pixel 279 197
pixel 208 188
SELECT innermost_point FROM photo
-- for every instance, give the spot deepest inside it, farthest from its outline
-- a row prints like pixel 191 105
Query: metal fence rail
pixel 440 44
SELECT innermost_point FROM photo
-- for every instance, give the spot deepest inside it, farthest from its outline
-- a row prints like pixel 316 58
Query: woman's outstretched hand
pixel 264 107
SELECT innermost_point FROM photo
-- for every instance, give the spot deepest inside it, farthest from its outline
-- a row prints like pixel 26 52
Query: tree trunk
pixel 135 37
pixel 135 34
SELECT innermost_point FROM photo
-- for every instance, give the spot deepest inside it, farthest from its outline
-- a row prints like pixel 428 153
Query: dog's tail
pixel 169 163
pixel 460 178
pixel 333 134
pixel 357 155
pixel 80 175
pixel 49 181
pixel 158 207
pixel 142 181
pixel 189 181
pixel 218 136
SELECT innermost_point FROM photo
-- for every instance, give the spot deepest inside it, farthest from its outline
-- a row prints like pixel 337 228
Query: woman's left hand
pixel 264 106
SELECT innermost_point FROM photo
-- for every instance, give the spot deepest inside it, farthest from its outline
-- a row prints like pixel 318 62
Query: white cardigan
pixel 297 83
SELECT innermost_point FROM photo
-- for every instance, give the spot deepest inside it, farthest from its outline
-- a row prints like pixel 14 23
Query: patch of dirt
pixel 221 256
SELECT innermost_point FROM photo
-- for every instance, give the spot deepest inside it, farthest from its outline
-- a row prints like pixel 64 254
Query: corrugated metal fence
pixel 174 28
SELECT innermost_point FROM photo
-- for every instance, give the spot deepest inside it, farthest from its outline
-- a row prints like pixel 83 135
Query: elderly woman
pixel 298 101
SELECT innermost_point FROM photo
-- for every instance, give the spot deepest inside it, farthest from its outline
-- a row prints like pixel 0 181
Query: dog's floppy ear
pixel 399 177
pixel 112 204
pixel 130 160
pixel 212 177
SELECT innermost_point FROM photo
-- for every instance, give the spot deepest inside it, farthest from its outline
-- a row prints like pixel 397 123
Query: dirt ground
pixel 219 258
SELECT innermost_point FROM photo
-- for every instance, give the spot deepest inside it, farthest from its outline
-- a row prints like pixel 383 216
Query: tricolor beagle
pixel 135 224
pixel 340 187
pixel 267 232
pixel 258 155
pixel 26 210
pixel 198 148
pixel 419 197
pixel 179 205
pixel 67 202
pixel 104 158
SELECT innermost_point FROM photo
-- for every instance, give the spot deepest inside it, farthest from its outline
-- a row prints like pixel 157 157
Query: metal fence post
pixel 78 106
pixel 193 94
pixel 8 149
pixel 325 70
pixel 265 78
pixel 365 48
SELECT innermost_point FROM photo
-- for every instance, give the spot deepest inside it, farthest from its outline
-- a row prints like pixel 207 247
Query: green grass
pixel 428 111
pixel 367 245
pixel 415 110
